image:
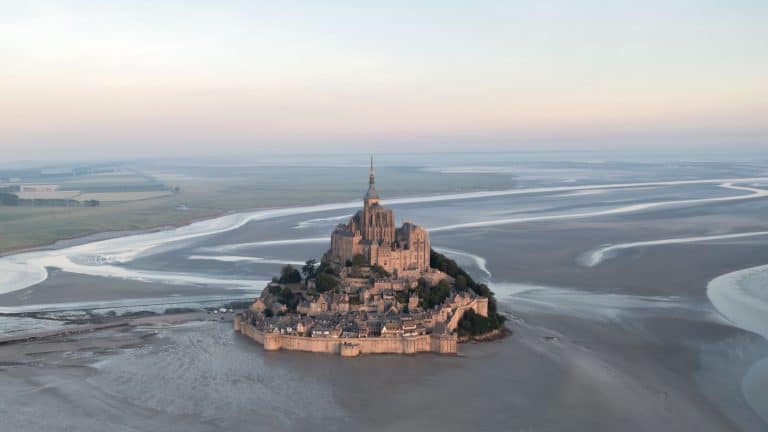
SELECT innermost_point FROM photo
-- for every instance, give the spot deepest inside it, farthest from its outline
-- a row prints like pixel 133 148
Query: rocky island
pixel 378 289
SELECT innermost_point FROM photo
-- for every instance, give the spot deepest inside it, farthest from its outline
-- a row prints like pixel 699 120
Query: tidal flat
pixel 630 343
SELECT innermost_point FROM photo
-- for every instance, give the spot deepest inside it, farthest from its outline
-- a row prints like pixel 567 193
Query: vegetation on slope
pixel 471 324
pixel 431 296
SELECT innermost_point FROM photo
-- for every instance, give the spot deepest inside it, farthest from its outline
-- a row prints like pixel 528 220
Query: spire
pixel 372 194
pixel 371 180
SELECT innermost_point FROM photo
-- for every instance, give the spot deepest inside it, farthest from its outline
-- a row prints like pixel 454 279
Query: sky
pixel 84 79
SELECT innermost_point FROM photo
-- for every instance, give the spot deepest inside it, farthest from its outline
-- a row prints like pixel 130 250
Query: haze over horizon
pixel 123 79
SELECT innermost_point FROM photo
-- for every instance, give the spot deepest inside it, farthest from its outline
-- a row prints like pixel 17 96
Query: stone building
pixel 371 233
pixel 368 312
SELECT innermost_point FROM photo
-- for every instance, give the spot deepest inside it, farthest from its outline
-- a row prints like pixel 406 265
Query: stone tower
pixel 378 223
pixel 371 197
pixel 371 232
pixel 413 302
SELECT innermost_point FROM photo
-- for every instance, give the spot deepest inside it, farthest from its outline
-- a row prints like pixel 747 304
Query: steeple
pixel 371 180
pixel 371 197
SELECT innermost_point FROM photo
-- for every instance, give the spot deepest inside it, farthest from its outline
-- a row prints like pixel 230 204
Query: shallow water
pixel 742 297
pixel 633 342
pixel 205 377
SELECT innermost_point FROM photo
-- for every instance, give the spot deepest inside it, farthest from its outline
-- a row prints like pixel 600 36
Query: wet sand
pixel 630 344
pixel 63 287
pixel 204 377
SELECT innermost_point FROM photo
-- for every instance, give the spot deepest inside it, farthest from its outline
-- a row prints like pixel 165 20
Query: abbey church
pixel 371 233
pixel 360 310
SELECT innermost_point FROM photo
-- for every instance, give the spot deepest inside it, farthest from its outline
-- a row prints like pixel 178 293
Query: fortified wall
pixel 479 305
pixel 349 347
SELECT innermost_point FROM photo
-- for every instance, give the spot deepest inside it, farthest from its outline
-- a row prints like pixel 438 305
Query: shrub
pixel 472 324
pixel 431 296
pixel 325 282
pixel 463 279
pixel 288 274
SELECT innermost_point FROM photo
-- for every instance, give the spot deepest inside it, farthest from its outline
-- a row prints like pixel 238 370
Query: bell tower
pixel 377 223
pixel 371 197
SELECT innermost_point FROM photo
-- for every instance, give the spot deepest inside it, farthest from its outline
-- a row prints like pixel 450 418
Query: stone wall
pixel 344 246
pixel 350 349
pixel 412 258
pixel 441 344
pixel 479 305
pixel 394 285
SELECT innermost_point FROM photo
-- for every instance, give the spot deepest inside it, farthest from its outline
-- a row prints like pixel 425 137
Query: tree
pixel 472 324
pixel 325 267
pixel 309 268
pixel 461 283
pixel 450 267
pixel 289 299
pixel 431 296
pixel 288 274
pixel 379 271
pixel 325 282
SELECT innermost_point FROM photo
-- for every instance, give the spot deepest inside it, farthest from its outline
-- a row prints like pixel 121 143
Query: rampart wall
pixel 349 347
pixel 479 305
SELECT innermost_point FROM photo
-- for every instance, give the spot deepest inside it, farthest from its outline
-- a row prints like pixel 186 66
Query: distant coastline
pixel 109 234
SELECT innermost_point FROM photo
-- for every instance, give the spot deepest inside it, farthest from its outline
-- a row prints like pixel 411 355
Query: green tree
pixel 450 267
pixel 472 324
pixel 325 282
pixel 309 268
pixel 289 299
pixel 288 274
pixel 461 283
pixel 379 271
pixel 431 296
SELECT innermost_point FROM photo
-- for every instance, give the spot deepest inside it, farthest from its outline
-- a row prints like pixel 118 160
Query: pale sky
pixel 145 78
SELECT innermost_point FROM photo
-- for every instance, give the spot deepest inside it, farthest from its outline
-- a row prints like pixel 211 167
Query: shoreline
pixel 86 237
pixel 491 336
pixel 543 372
pixel 737 297
pixel 77 239
pixel 107 235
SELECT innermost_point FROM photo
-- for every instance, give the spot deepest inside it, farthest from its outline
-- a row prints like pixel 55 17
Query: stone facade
pixel 436 343
pixel 371 233
pixel 433 333
pixel 367 311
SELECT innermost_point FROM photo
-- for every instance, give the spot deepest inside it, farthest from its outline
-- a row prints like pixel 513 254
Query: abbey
pixel 374 291
pixel 371 233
